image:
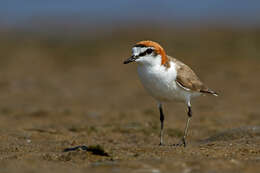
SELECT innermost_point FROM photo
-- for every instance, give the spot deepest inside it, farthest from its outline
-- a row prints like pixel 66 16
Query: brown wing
pixel 188 80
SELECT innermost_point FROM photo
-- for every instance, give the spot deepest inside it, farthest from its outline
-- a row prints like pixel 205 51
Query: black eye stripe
pixel 142 54
pixel 147 51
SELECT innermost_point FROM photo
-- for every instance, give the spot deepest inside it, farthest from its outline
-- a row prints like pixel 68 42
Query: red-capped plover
pixel 166 79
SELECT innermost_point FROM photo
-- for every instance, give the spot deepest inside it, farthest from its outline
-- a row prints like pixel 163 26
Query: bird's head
pixel 148 53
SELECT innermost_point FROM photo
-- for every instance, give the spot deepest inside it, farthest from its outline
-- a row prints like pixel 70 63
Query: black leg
pixel 162 120
pixel 187 126
pixel 183 141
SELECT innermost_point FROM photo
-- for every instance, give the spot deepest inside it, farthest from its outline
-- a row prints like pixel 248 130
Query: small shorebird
pixel 166 79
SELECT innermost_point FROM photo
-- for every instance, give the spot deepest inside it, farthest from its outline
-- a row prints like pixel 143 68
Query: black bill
pixel 131 59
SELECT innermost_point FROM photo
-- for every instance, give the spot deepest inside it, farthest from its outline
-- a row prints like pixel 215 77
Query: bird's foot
pixel 161 144
pixel 182 143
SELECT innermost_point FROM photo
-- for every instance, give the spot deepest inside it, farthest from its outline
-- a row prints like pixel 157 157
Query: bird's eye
pixel 148 51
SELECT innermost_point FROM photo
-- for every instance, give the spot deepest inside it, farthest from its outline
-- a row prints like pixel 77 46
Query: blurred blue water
pixel 239 12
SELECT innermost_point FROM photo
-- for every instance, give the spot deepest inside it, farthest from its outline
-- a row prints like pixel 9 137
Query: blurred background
pixel 61 65
pixel 57 54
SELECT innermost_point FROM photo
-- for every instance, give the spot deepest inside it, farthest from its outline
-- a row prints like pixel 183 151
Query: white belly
pixel 160 83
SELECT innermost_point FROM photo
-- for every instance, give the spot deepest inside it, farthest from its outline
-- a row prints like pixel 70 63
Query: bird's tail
pixel 209 91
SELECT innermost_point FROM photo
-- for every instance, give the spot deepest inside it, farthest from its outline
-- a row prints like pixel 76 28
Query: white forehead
pixel 137 50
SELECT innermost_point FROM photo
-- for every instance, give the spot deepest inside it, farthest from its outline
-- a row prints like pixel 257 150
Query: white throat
pixel 150 60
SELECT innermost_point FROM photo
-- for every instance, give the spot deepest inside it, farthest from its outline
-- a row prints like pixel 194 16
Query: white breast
pixel 160 82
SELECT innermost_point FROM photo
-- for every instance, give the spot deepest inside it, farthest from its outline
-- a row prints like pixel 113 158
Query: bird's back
pixel 187 78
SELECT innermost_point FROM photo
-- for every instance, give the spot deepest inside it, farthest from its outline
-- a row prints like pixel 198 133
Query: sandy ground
pixel 60 92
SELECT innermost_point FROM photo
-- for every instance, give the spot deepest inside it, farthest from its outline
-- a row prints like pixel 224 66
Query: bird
pixel 166 79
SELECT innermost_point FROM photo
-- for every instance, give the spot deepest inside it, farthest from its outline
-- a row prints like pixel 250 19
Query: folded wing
pixel 188 80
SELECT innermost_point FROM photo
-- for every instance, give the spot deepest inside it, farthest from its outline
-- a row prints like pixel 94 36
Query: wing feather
pixel 188 80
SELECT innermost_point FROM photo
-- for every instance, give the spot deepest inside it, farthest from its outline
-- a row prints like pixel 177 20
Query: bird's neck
pixel 165 61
